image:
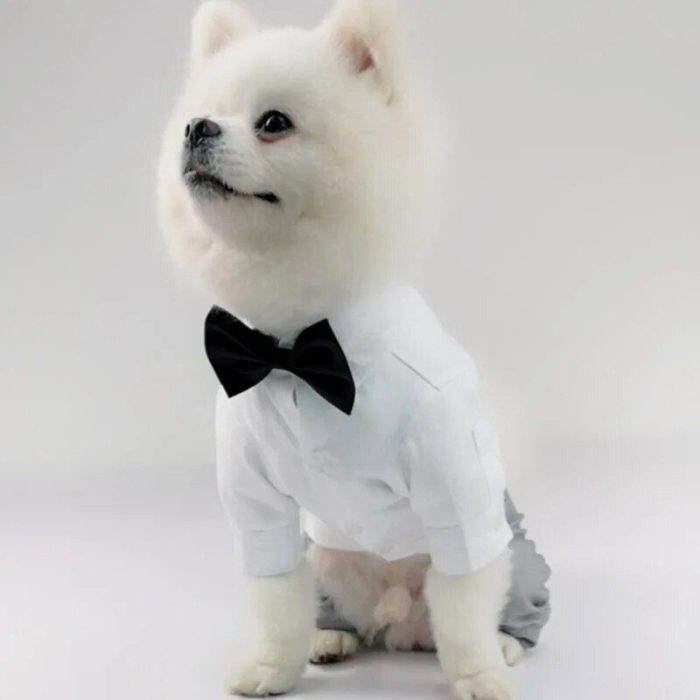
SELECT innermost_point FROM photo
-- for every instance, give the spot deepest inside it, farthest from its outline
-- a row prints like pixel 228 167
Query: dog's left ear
pixel 368 33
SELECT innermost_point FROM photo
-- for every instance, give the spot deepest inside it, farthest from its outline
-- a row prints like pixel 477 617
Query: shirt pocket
pixel 489 453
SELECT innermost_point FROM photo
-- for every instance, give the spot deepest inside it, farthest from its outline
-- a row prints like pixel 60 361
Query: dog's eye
pixel 273 125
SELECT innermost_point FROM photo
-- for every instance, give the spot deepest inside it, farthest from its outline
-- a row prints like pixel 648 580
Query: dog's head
pixel 291 145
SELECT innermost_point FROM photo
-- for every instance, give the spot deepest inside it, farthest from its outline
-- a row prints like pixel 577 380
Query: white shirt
pixel 414 469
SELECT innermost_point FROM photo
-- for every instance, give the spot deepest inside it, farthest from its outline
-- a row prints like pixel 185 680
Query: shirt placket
pixel 325 473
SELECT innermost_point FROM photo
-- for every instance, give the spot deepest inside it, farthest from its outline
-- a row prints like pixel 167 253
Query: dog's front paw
pixel 263 677
pixel 489 685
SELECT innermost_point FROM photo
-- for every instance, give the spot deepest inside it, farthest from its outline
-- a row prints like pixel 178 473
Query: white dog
pixel 309 188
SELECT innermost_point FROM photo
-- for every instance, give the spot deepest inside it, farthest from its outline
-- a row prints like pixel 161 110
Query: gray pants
pixel 527 610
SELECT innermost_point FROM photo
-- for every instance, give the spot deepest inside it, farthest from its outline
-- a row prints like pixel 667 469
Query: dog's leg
pixel 513 650
pixel 465 614
pixel 284 608
pixel 528 605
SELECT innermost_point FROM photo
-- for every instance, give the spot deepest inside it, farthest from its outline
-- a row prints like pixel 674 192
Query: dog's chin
pixel 207 186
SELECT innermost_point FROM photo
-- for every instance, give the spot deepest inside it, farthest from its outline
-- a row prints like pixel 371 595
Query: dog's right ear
pixel 369 34
pixel 216 25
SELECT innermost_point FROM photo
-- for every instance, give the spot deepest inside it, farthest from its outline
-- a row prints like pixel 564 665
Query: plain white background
pixel 567 263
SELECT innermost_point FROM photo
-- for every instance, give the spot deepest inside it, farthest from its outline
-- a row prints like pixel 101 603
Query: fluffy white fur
pixel 465 613
pixel 351 180
pixel 353 187
pixel 284 611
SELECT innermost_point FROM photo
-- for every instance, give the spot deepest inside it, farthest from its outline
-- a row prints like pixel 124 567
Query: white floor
pixel 124 588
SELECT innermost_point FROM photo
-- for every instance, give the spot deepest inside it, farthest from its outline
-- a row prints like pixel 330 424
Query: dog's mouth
pixel 206 182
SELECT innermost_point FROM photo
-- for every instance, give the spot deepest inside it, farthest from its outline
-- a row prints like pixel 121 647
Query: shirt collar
pixel 364 325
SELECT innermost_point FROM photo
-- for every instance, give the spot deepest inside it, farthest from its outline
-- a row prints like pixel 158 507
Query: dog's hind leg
pixel 332 646
pixel 528 608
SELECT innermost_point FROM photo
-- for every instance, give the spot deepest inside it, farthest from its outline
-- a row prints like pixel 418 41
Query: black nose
pixel 199 130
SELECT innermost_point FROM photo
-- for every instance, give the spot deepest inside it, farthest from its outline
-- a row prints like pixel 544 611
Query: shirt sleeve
pixel 456 479
pixel 266 520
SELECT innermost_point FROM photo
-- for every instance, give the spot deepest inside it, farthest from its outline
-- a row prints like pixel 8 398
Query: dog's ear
pixel 368 32
pixel 216 25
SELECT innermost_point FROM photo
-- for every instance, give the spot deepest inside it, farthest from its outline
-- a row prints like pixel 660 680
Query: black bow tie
pixel 242 357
